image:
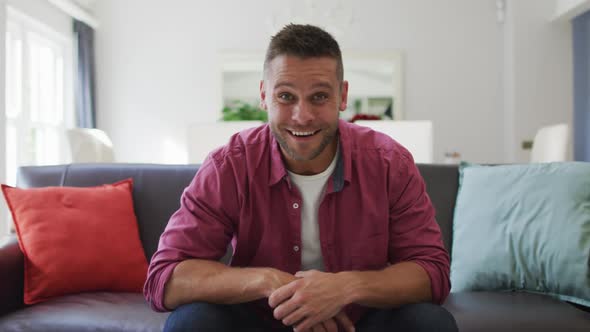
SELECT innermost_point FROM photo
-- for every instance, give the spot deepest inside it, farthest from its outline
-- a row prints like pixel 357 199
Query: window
pixel 39 93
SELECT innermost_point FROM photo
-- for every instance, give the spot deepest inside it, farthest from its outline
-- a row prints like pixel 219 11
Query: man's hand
pixel 314 298
pixel 275 279
pixel 331 325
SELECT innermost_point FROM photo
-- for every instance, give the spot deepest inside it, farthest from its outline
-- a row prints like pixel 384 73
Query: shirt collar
pixel 342 173
pixel 277 167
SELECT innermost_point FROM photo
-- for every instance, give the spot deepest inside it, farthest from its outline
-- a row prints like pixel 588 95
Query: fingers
pixel 344 321
pixel 318 328
pixel 306 323
pixel 295 317
pixel 281 294
pixel 330 325
pixel 285 309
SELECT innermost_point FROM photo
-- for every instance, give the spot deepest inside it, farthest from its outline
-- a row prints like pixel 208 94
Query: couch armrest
pixel 12 275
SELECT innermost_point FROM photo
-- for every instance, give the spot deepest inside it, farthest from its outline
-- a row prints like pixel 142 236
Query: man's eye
pixel 286 97
pixel 319 97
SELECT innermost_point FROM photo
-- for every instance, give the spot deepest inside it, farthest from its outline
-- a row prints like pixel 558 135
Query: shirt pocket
pixel 370 252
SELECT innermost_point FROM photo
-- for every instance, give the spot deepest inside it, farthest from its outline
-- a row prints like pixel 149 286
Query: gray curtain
pixel 581 41
pixel 85 79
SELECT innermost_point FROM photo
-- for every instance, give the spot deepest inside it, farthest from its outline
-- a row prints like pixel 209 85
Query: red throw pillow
pixel 77 239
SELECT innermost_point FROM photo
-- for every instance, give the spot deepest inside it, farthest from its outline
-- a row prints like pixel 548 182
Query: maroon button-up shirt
pixel 375 212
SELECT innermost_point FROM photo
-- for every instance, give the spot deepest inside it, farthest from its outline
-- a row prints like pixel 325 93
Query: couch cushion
pixel 77 239
pixel 111 312
pixel 524 227
pixel 514 311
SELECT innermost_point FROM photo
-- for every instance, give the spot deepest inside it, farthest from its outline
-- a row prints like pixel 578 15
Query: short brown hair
pixel 304 41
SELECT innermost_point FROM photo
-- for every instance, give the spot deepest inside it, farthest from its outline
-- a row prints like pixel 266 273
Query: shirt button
pixel 295 205
pixel 295 248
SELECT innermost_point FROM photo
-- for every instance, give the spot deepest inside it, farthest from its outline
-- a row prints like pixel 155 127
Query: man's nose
pixel 303 113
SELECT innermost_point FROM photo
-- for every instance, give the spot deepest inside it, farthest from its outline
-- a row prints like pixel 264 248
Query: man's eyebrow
pixel 315 85
pixel 287 84
pixel 322 85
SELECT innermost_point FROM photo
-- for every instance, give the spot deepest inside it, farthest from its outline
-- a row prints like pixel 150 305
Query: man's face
pixel 303 98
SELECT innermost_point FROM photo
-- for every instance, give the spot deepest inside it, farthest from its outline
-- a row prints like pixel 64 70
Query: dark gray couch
pixel 156 193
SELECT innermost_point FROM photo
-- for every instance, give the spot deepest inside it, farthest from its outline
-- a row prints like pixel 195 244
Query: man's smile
pixel 303 133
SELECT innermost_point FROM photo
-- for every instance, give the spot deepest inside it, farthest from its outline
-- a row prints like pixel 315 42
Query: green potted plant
pixel 241 111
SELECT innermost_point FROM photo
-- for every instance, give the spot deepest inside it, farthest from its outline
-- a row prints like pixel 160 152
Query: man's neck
pixel 315 166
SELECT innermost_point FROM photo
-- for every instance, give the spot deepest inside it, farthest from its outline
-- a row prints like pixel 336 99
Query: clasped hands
pixel 311 301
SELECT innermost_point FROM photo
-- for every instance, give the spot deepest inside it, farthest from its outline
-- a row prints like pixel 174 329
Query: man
pixel 329 222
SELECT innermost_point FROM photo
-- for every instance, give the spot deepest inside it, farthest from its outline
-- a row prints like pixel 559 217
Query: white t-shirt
pixel 312 189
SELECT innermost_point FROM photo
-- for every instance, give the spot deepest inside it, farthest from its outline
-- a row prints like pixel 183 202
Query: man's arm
pixel 208 281
pixel 392 287
pixel 200 229
pixel 185 267
pixel 202 280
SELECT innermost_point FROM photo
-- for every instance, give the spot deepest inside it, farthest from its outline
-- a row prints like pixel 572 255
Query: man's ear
pixel 262 96
pixel 344 96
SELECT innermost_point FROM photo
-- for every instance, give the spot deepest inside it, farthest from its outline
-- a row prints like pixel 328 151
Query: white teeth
pixel 302 133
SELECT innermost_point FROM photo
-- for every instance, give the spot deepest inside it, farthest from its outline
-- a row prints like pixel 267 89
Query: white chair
pixel 90 146
pixel 416 136
pixel 205 137
pixel 550 144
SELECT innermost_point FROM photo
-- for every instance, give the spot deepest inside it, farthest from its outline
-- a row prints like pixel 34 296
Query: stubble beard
pixel 328 136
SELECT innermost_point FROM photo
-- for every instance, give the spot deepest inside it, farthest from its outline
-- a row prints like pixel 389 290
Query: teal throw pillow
pixel 523 228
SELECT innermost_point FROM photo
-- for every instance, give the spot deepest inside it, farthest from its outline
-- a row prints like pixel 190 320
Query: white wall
pixel 158 70
pixel 543 73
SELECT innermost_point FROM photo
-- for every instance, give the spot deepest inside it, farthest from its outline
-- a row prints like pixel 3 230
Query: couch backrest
pixel 157 190
pixel 442 183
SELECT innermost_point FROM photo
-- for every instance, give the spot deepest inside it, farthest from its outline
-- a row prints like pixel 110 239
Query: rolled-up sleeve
pixel 201 228
pixel 414 233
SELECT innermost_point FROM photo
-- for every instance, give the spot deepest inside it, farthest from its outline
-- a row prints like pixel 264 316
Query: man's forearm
pixel 391 287
pixel 208 281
